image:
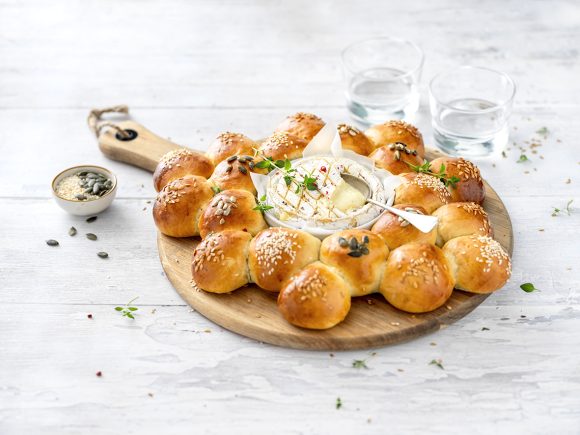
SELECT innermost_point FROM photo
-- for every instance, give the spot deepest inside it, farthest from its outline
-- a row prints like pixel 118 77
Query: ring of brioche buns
pixel 213 196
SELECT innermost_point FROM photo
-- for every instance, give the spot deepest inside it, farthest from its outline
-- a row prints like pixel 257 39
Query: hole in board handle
pixel 131 134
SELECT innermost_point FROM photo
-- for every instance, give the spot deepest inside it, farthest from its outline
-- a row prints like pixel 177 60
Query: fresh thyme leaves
pixel 356 249
pixel 262 205
pixel 523 158
pixel 291 176
pixel 425 168
pixel 128 309
pixel 543 131
pixel 360 364
pixel 338 403
pixel 216 189
pixel 528 287
pixel 556 211
pixel 438 363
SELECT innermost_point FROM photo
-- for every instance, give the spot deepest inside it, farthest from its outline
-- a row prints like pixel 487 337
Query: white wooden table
pixel 190 70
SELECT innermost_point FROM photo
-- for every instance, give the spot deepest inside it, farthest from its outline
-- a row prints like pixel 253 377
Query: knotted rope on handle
pixel 95 117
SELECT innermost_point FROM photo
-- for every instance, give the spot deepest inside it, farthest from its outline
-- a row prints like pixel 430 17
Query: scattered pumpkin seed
pixel 91 219
pixel 91 236
pixel 342 242
pixel 52 242
pixel 232 159
pixel 242 170
pixel 72 231
pixel 103 254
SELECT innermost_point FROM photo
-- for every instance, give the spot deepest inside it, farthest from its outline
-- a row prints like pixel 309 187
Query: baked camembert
pixel 334 204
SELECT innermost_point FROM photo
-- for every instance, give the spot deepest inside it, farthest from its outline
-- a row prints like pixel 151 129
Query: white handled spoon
pixel 423 223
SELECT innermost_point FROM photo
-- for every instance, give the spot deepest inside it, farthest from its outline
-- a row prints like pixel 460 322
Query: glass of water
pixel 470 108
pixel 382 79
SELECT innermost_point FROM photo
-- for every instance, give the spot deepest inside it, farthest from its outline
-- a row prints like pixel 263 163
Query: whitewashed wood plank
pixel 185 62
pixel 520 377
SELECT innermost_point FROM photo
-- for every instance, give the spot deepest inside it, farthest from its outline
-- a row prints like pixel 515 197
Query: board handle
pixel 128 141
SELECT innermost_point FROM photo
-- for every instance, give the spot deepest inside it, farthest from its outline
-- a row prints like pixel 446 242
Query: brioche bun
pixel 316 298
pixel 470 188
pixel 301 125
pixel 461 219
pixel 396 231
pixel 360 262
pixel 179 205
pixel 181 163
pixel 397 131
pixel 355 140
pixel 422 189
pixel 278 253
pixel 417 278
pixel 230 144
pixel 219 261
pixel 231 210
pixel 395 158
pixel 478 263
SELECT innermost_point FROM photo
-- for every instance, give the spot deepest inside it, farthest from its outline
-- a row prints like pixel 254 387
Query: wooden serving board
pixel 253 312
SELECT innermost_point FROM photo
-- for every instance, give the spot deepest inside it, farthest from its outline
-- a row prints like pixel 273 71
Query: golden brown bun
pixel 231 210
pixel 470 188
pixel 234 173
pixel 230 144
pixel 316 298
pixel 397 131
pixel 461 219
pixel 417 278
pixel 302 125
pixel 354 139
pixel 179 205
pixel 361 262
pixel 180 163
pixel 479 263
pixel 422 189
pixel 219 261
pixel 396 231
pixel 278 253
pixel 395 158
pixel 281 146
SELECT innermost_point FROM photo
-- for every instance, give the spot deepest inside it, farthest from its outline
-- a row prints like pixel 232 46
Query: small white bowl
pixel 89 207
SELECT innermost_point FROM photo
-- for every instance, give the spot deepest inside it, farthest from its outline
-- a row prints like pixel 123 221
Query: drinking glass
pixel 382 79
pixel 470 108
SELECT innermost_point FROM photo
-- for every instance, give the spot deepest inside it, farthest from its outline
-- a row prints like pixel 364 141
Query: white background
pixel 190 70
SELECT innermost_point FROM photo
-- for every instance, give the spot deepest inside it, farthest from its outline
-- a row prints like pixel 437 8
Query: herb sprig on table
pixel 291 176
pixel 568 209
pixel 128 309
pixel 360 364
pixel 425 168
pixel 438 363
pixel 528 287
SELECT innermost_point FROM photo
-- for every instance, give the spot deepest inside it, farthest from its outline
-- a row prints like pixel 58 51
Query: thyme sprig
pixel 128 309
pixel 262 205
pixel 556 211
pixel 425 168
pixel 291 176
